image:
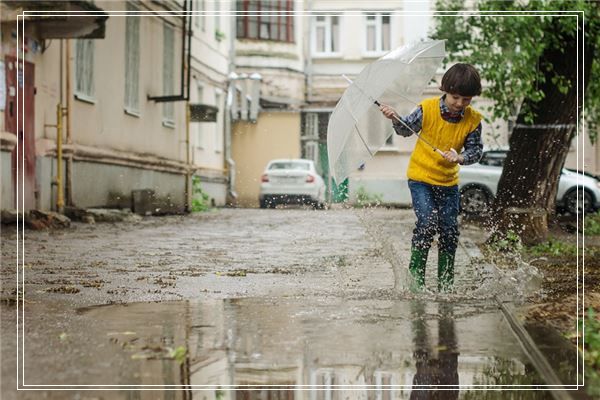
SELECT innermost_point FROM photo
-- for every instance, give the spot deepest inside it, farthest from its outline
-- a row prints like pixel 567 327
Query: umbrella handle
pixel 441 153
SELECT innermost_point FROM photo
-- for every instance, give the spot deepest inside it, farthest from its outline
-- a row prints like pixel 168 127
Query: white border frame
pixel 20 274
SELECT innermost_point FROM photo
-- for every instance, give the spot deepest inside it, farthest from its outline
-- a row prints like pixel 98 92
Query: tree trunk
pixel 538 150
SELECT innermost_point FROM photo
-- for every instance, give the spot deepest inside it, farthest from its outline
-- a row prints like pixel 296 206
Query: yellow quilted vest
pixel 426 165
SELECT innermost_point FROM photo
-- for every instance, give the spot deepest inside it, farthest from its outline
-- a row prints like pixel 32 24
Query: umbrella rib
pixel 356 123
pixel 404 97
pixel 363 140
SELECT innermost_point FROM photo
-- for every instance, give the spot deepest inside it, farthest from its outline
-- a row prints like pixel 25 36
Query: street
pixel 302 299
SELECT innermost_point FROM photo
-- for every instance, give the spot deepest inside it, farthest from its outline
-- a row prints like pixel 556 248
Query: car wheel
pixel 577 202
pixel 263 203
pixel 474 200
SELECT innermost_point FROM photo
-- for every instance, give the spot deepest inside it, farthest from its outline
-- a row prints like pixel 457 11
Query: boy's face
pixel 456 103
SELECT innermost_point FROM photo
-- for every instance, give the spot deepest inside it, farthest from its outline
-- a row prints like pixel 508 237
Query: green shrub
pixel 200 200
pixel 366 199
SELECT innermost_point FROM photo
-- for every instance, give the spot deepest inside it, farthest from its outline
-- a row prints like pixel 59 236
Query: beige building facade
pixel 260 86
pixel 212 43
pixel 269 89
pixel 123 93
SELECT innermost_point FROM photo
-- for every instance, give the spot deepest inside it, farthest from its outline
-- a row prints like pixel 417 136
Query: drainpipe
pixel 69 169
pixel 60 203
pixel 229 101
pixel 230 163
pixel 188 170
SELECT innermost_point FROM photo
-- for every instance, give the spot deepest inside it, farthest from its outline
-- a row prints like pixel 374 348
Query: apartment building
pixel 270 83
pixel 345 37
pixel 119 76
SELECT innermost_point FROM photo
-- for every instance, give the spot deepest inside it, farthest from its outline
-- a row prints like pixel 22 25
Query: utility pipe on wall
pixel 69 169
pixel 60 203
pixel 188 189
pixel 230 106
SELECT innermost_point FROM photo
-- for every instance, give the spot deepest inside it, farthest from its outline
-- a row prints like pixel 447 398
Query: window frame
pixel 200 18
pixel 87 93
pixel 327 24
pixel 218 127
pixel 379 40
pixel 168 109
pixel 283 23
pixel 132 95
pixel 200 133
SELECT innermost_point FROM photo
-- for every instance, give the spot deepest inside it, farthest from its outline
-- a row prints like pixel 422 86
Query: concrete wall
pixel 275 135
pixel 113 185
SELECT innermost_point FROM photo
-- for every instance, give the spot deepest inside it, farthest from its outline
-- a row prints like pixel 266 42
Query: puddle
pixel 318 348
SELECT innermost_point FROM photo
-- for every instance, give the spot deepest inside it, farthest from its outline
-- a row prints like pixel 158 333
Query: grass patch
pixel 592 224
pixel 552 247
pixel 591 349
pixel 556 249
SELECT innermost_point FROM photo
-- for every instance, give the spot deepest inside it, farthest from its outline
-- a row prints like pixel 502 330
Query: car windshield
pixel 302 166
pixel 493 158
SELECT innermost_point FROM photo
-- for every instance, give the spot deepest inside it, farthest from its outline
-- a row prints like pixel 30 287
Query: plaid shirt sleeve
pixel 414 120
pixel 473 147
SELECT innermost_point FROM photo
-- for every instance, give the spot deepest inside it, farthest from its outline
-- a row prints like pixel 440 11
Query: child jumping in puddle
pixel 446 123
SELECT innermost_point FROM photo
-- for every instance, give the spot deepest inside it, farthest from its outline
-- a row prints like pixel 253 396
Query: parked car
pixel 479 183
pixel 291 181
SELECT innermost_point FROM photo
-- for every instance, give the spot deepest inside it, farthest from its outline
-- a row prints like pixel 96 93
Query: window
pixel 200 18
pixel 311 151
pixel 378 33
pixel 326 34
pixel 323 381
pixel 383 381
pixel 199 125
pixel 84 69
pixel 132 62
pixel 217 18
pixel 279 26
pixel 218 129
pixel 168 70
pixel 293 165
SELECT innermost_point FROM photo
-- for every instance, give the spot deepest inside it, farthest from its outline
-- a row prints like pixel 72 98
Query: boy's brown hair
pixel 462 79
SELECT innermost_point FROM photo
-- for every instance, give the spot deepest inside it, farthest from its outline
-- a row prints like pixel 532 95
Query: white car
pixel 291 181
pixel 478 184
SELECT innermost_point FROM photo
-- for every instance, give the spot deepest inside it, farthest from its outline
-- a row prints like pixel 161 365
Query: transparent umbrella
pixel 357 129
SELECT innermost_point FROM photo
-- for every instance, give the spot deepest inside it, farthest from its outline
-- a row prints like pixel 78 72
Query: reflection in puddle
pixel 320 349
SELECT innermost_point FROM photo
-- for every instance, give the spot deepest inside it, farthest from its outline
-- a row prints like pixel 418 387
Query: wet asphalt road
pixel 235 297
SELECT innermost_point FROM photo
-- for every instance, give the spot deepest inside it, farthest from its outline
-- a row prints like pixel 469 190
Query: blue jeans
pixel 436 208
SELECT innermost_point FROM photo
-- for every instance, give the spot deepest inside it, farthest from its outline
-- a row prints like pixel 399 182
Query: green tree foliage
pixel 507 43
pixel 538 59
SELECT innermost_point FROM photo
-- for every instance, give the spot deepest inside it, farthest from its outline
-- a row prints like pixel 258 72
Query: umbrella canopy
pixel 357 129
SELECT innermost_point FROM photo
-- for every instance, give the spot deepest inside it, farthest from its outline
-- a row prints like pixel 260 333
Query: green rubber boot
pixel 445 271
pixel 418 261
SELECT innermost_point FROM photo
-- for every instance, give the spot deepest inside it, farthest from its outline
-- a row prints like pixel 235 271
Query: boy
pixel 447 123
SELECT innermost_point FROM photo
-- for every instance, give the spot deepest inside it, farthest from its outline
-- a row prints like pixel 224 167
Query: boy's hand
pixel 453 157
pixel 388 112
